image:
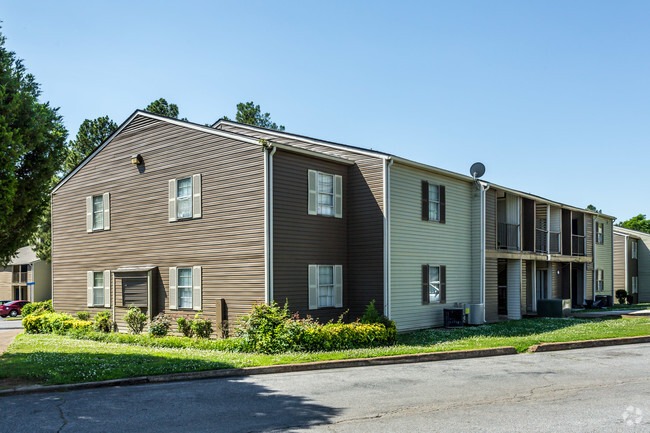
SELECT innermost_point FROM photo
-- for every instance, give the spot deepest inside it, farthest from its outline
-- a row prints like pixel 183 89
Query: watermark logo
pixel 632 416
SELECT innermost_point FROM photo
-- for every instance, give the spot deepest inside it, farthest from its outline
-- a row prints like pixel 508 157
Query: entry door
pixel 542 284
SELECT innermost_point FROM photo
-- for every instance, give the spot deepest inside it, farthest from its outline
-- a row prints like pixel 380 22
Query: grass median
pixel 55 359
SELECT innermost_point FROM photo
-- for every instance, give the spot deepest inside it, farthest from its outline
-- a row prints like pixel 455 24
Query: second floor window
pixel 600 233
pixel 325 194
pixel 433 202
pixel 184 198
pixel 98 212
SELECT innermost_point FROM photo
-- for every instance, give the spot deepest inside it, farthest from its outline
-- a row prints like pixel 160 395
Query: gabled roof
pixel 24 256
pixel 629 232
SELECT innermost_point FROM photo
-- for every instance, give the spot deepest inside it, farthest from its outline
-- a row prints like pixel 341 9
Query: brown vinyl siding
pixel 490 219
pixel 228 241
pixel 365 219
pixel 300 239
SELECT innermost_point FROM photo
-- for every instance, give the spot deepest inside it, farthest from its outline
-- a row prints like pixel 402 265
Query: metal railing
pixel 19 277
pixel 508 236
pixel 555 243
pixel 540 241
pixel 578 245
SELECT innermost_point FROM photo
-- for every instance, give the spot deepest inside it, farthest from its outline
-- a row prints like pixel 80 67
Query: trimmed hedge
pixel 59 323
pixel 36 307
pixel 342 336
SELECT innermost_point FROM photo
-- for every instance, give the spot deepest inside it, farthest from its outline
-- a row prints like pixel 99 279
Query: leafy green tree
pixel 32 145
pixel 162 107
pixel 593 208
pixel 91 134
pixel 638 223
pixel 251 114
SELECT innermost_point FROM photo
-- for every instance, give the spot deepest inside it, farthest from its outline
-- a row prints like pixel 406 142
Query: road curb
pixel 584 344
pixel 269 369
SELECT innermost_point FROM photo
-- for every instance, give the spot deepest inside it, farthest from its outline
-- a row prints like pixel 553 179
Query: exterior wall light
pixel 137 159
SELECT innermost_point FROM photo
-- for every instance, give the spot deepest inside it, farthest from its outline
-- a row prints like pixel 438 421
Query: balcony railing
pixel 19 277
pixel 508 236
pixel 554 240
pixel 578 245
pixel 540 241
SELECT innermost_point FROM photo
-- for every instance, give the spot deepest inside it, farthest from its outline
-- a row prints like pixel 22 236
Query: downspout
pixel 387 293
pixel 51 251
pixel 266 223
pixel 484 187
pixel 270 223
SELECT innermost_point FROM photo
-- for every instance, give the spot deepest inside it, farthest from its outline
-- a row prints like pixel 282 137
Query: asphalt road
pixel 10 324
pixel 589 390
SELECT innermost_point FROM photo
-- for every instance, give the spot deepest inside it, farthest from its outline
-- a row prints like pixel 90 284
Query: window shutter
pixel 312 205
pixel 443 284
pixel 338 196
pixel 107 211
pixel 89 283
pixel 172 200
pixel 425 203
pixel 173 295
pixel 443 207
pixel 89 214
pixel 107 289
pixel 196 196
pixel 425 284
pixel 338 286
pixel 196 287
pixel 313 287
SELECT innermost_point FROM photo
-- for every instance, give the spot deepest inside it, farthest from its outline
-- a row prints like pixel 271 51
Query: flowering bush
pixel 201 327
pixel 160 325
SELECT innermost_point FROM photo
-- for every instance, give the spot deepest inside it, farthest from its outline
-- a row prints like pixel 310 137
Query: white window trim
pixel 429 201
pixel 600 280
pixel 325 287
pixel 101 288
pixel 313 194
pixel 315 286
pixel 188 198
pixel 635 285
pixel 179 287
pixel 635 249
pixel 435 282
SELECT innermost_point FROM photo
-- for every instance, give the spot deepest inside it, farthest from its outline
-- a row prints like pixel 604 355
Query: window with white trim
pixel 434 202
pixel 635 285
pixel 325 286
pixel 600 280
pixel 325 194
pixel 184 287
pixel 184 198
pixel 434 284
pixel 98 212
pixel 600 233
pixel 98 289
pixel 635 249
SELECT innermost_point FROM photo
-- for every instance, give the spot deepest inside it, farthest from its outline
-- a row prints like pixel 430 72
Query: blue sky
pixel 554 97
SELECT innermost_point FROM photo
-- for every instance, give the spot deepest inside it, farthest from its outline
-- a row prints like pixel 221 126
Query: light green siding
pixel 603 257
pixel 415 242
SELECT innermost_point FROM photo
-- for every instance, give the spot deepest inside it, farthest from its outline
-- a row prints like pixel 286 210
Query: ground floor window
pixel 600 280
pixel 325 286
pixel 635 285
pixel 184 287
pixel 98 289
pixel 434 284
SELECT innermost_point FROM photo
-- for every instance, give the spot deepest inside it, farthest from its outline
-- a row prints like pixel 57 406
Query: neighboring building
pixel 632 263
pixel 177 217
pixel 26 278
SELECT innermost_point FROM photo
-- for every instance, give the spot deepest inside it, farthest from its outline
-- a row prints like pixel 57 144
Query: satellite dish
pixel 477 170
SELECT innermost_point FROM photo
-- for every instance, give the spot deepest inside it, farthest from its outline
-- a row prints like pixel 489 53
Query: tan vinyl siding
pixel 644 267
pixel 415 243
pixel 6 293
pixel 602 254
pixel 619 262
pixel 228 241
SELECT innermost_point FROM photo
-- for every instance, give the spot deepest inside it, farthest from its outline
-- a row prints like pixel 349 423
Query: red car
pixel 12 308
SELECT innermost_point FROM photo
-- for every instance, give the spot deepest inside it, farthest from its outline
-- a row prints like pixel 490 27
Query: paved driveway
pixel 589 390
pixel 10 324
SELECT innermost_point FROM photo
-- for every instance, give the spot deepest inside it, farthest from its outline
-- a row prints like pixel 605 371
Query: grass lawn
pixel 54 359
pixel 615 307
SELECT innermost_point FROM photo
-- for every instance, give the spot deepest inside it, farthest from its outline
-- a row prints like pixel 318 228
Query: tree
pixel 91 134
pixel 593 208
pixel 32 143
pixel 638 223
pixel 162 107
pixel 251 114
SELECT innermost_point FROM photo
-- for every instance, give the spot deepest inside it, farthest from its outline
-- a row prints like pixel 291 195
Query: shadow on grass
pixel 214 405
pixel 511 328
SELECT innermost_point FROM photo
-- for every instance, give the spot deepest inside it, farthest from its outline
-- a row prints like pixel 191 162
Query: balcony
pixel 555 243
pixel 541 237
pixel 508 236
pixel 19 277
pixel 577 245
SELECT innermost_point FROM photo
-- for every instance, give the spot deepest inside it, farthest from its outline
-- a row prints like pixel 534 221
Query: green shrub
pixel 185 326
pixel 371 315
pixel 630 299
pixel 342 336
pixel 621 295
pixel 37 307
pixel 160 325
pixel 103 321
pixel 83 315
pixel 201 327
pixel 135 319
pixel 48 322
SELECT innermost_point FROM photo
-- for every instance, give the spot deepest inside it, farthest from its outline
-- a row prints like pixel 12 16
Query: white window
pixel 325 286
pixel 635 285
pixel 325 194
pixel 434 202
pixel 98 212
pixel 434 284
pixel 600 233
pixel 184 287
pixel 184 198
pixel 600 283
pixel 98 289
pixel 635 250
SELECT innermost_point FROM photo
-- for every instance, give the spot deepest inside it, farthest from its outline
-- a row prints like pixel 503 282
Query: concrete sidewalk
pixel 6 337
pixel 611 313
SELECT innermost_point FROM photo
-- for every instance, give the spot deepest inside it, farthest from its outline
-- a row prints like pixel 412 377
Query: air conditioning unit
pixel 474 313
